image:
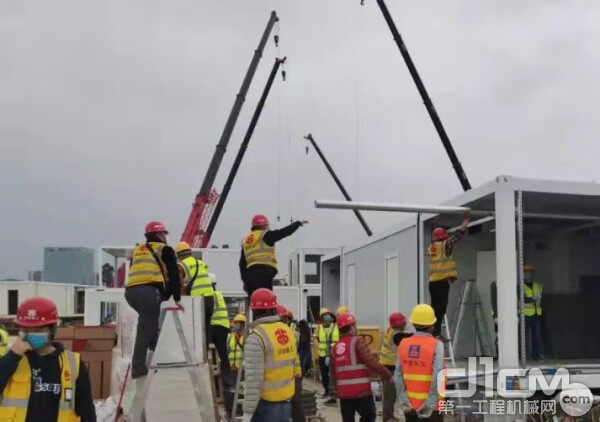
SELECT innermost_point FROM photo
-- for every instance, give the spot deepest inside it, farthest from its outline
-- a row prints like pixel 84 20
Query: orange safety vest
pixel 416 359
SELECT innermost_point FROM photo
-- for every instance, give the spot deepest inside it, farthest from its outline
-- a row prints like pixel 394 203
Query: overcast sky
pixel 110 110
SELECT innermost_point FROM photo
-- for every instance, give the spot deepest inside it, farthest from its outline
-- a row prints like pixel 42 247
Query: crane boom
pixel 240 155
pixel 338 182
pixel 207 197
pixel 439 127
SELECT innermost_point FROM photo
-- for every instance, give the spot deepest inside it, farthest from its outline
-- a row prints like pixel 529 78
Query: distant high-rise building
pixel 35 275
pixel 74 265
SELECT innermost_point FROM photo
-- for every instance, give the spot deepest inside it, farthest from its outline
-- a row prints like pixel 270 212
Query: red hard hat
pixel 345 320
pixel 36 312
pixel 397 320
pixel 155 227
pixel 440 233
pixel 263 299
pixel 290 314
pixel 282 311
pixel 260 220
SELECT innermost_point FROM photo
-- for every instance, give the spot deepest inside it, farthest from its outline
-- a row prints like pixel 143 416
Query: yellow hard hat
pixel 182 246
pixel 239 318
pixel 422 314
pixel 324 311
pixel 343 309
pixel 528 267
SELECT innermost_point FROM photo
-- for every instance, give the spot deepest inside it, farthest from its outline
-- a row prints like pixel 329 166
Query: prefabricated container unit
pixel 69 298
pixel 555 224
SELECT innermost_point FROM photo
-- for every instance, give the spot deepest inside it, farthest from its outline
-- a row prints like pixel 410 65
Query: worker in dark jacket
pixel 351 364
pixel 153 277
pixel 258 262
pixel 39 379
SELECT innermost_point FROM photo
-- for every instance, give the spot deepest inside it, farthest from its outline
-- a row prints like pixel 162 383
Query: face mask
pixel 328 318
pixel 236 328
pixel 37 340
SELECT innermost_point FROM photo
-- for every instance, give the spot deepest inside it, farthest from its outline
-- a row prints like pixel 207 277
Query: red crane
pixel 204 203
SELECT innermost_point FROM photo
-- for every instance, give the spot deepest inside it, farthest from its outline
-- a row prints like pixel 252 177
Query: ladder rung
pixel 173 365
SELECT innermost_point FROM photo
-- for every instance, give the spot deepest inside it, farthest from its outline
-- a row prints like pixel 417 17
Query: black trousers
pixel 438 290
pixel 146 300
pixel 257 277
pixel 209 306
pixel 412 417
pixel 297 410
pixel 219 339
pixel 324 375
pixel 364 406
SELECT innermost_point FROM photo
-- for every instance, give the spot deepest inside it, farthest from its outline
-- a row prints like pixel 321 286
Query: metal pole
pixel 413 208
pixel 240 155
pixel 215 163
pixel 523 348
pixel 462 177
pixel 338 182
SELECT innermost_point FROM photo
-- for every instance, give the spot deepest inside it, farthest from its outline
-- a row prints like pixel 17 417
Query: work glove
pixel 424 413
pixel 247 417
pixel 327 361
pixel 406 408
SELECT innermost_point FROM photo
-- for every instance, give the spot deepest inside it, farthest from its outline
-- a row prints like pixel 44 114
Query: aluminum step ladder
pixel 198 371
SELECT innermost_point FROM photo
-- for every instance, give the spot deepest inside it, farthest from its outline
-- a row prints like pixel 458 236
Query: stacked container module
pixel 95 344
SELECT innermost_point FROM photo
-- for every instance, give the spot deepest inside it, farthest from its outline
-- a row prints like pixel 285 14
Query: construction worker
pixel 3 339
pixel 258 262
pixel 533 313
pixel 442 268
pixel 153 278
pixel 342 309
pixel 269 357
pixel 420 359
pixel 328 334
pixel 196 280
pixel 39 379
pixel 297 412
pixel 235 348
pixel 352 363
pixel 291 322
pixel 389 357
pixel 220 330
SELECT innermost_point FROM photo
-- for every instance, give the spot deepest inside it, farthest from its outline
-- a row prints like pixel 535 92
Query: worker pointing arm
pixel 258 261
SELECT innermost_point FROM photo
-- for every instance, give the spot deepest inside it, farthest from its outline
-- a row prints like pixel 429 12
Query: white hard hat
pixel 213 278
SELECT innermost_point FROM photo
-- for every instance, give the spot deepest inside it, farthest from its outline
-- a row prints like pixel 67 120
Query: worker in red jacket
pixel 258 262
pixel 352 363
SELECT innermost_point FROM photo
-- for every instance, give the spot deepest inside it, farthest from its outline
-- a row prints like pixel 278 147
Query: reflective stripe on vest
pixel 202 284
pixel 416 356
pixel 389 351
pixel 441 266
pixel 220 316
pixel 280 356
pixel 327 337
pixel 144 269
pixel 235 347
pixel 534 307
pixel 352 378
pixel 257 252
pixel 15 398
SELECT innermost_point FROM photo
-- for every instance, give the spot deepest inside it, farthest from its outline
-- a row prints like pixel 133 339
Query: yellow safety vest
pixel 389 351
pixel 15 398
pixel 441 266
pixel 257 252
pixel 235 347
pixel 220 316
pixel 3 341
pixel 280 356
pixel 327 338
pixel 144 269
pixel 195 269
pixel 535 293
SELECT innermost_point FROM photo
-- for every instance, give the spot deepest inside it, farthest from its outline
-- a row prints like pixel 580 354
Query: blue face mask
pixel 328 318
pixel 37 340
pixel 236 328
